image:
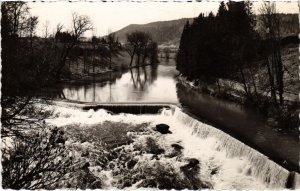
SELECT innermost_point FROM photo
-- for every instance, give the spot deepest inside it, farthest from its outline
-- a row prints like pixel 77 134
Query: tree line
pixel 227 46
pixel 30 62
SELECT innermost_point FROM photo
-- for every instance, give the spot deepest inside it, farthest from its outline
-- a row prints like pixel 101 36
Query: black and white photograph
pixel 150 95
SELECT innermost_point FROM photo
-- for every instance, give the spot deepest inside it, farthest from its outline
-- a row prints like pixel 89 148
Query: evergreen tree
pixel 220 46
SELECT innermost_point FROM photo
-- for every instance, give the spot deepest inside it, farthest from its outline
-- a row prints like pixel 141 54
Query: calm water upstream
pixel 145 84
pixel 158 84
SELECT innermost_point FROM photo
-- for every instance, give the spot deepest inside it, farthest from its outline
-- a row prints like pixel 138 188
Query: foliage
pixel 37 162
pixel 20 114
pixel 217 46
pixel 17 57
pixel 29 62
pixel 36 157
pixel 231 46
pixel 227 46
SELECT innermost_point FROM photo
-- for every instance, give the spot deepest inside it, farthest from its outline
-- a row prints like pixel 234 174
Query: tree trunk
pixel 253 81
pixel 138 59
pixel 219 88
pixel 109 60
pixel 272 85
pixel 279 75
pixel 131 60
pixel 144 59
pixel 62 62
pixel 248 94
pixel 84 60
pixel 94 60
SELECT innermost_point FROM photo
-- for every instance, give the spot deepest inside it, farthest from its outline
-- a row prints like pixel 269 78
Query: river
pixel 158 84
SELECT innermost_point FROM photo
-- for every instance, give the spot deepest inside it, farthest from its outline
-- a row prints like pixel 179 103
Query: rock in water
pixel 163 128
pixel 191 168
pixel 177 147
pixel 193 162
pixel 86 166
pixel 131 164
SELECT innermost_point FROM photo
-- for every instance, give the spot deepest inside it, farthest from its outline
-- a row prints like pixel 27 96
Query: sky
pixel 112 16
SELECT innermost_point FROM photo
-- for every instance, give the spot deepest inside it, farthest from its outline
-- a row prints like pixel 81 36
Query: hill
pixel 163 32
pixel 169 32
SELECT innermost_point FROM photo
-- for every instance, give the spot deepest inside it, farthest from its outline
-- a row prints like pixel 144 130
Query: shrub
pixel 38 162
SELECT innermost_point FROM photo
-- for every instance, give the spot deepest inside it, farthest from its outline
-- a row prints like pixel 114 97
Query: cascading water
pixel 238 165
pixel 260 166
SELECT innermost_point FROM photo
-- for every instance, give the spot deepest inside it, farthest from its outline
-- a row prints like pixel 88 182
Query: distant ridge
pixel 163 32
pixel 169 32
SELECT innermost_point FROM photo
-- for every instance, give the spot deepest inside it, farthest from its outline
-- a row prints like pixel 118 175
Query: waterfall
pixel 274 175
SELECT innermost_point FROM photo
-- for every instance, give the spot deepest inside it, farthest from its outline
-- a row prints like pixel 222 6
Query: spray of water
pixel 224 161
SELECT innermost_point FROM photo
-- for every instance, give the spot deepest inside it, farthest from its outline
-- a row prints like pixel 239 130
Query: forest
pixel 228 47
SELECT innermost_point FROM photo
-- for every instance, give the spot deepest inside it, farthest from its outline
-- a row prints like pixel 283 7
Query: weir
pixel 262 167
pixel 130 108
pixel 133 108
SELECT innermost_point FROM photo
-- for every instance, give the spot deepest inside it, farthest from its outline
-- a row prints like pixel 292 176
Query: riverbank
pixel 244 124
pixel 284 116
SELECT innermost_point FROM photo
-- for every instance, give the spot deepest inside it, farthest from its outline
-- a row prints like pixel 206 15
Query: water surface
pixel 158 84
pixel 144 84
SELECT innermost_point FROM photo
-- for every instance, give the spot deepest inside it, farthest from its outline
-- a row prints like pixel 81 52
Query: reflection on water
pixel 144 84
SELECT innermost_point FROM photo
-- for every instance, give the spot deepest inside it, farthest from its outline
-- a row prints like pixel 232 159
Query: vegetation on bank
pixel 34 154
pixel 30 62
pixel 227 47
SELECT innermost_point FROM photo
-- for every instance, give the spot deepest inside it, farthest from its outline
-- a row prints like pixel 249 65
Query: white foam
pixel 213 148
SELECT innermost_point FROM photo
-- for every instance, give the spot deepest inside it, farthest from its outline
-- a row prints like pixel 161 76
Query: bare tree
pixel 80 24
pixel 113 45
pixel 17 13
pixel 46 29
pixel 59 27
pixel 271 27
pixel 137 44
pixel 130 47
